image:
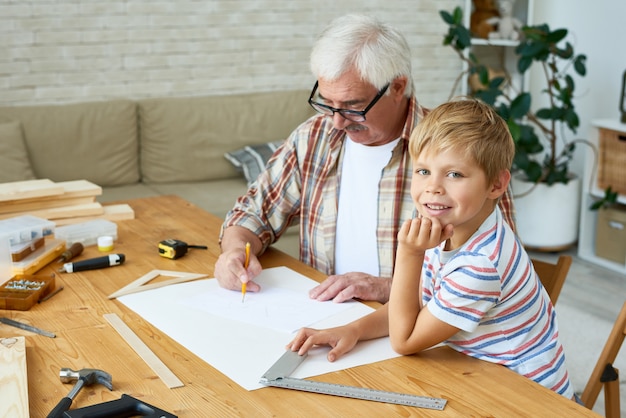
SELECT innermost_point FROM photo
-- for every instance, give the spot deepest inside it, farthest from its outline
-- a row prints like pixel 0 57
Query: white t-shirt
pixel 356 247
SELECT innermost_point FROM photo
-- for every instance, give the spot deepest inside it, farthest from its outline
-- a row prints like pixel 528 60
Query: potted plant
pixel 543 153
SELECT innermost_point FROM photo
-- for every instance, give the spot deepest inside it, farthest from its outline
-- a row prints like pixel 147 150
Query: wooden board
pixel 111 213
pixel 155 363
pixel 29 189
pixel 76 192
pixel 13 378
pixel 88 209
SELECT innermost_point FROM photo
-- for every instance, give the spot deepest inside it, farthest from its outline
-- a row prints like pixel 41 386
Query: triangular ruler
pixel 139 284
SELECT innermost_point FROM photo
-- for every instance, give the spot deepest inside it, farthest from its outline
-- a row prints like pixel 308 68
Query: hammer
pixel 84 377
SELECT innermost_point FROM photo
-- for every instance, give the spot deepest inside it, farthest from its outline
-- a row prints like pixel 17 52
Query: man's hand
pixel 229 268
pixel 343 287
pixel 341 339
pixel 230 273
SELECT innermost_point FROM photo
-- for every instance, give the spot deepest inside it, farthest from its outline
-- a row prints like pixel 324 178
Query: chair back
pixel 553 276
pixel 605 374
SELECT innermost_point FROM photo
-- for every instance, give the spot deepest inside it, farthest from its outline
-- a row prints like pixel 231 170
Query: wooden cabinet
pixel 498 54
pixel 593 189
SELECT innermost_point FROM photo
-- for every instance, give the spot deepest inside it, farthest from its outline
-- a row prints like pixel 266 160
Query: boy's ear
pixel 500 185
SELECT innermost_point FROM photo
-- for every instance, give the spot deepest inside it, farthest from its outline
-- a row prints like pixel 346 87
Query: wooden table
pixel 86 340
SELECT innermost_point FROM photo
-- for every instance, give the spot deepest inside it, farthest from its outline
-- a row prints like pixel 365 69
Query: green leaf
pixel 447 17
pixel 463 37
pixel 520 106
pixel 596 205
pixel 458 15
pixel 533 171
pixel 545 113
pixel 514 129
pixel 483 75
pixel 497 82
pixel 488 96
pixel 556 36
pixel 564 53
pixel 524 64
pixel 580 64
pixel 532 49
pixel 571 118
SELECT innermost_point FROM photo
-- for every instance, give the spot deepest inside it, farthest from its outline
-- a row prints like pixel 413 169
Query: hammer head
pixel 88 376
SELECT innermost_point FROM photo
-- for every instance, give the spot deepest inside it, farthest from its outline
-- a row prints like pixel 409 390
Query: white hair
pixel 378 52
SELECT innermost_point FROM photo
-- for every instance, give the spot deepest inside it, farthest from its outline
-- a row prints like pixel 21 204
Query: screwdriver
pixel 71 252
pixel 94 263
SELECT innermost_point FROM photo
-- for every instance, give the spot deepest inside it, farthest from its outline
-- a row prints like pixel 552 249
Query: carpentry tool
pixel 126 406
pixel 173 248
pixel 26 327
pixel 94 263
pixel 155 363
pixel 74 250
pixel 278 376
pixel 84 377
pixel 139 284
pixel 49 295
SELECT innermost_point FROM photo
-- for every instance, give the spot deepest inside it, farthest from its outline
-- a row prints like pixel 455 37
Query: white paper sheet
pixel 245 349
pixel 274 307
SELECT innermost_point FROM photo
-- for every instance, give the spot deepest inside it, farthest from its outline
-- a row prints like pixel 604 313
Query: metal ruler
pixel 26 327
pixel 278 376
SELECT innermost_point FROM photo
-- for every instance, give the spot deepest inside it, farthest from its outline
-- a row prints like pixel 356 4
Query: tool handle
pixel 63 405
pixel 75 250
pixel 94 263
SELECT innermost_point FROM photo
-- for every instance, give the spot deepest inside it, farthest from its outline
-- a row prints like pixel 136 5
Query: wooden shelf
pixel 591 192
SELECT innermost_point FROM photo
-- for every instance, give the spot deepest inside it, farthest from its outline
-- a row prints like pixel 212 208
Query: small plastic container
pixel 105 243
pixel 87 233
pixel 26 228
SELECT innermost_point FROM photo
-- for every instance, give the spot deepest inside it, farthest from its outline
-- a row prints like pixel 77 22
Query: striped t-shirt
pixel 489 289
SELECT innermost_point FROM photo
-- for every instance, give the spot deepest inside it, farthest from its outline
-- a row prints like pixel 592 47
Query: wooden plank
pixel 76 192
pixel 80 188
pixel 13 378
pixel 27 205
pixel 87 209
pixel 113 213
pixel 155 363
pixel 29 189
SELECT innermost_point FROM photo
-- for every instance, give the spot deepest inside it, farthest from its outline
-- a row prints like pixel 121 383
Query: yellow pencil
pixel 245 265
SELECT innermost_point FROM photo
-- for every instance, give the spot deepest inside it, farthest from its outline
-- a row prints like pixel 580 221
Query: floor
pixel 589 303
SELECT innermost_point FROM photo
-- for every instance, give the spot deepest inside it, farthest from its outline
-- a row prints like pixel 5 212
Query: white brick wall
pixel 59 51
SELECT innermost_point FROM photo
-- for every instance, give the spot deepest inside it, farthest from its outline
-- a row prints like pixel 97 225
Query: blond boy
pixel 461 276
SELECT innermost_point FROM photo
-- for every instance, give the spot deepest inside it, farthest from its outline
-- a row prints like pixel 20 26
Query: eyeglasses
pixel 352 115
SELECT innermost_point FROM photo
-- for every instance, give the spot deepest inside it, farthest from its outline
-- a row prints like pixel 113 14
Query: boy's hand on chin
pixel 419 234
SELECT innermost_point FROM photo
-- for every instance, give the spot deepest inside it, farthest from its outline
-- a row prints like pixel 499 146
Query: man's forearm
pixel 236 237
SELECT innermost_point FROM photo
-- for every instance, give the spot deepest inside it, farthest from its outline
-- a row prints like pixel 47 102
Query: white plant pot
pixel 547 216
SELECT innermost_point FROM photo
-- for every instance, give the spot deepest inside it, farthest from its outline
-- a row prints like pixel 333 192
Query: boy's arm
pixel 342 339
pixel 411 327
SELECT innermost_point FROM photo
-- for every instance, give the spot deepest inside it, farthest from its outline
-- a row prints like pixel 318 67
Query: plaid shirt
pixel 301 186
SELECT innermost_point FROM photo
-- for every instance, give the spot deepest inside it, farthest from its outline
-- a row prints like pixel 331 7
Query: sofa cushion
pixel 251 159
pixel 184 139
pixel 13 154
pixel 94 141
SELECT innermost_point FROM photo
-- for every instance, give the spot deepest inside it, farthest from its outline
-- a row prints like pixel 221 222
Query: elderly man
pixel 343 175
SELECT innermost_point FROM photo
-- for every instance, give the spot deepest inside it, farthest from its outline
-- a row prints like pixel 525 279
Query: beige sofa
pixel 148 147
